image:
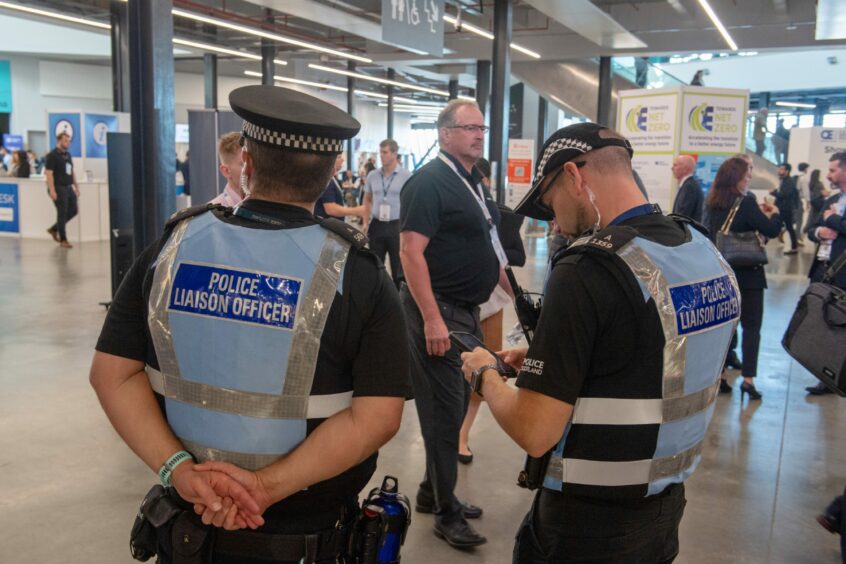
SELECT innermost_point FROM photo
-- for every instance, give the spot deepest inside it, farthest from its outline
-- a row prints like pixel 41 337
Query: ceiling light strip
pixel 333 87
pixel 267 35
pixel 720 27
pixel 380 80
pixel 795 105
pixel 54 15
pixel 223 50
pixel 488 35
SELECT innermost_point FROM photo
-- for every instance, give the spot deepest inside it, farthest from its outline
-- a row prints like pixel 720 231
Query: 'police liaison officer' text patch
pixel 237 295
pixel 706 304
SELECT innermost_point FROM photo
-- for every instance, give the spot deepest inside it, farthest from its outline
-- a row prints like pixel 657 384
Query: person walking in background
pixel 491 312
pixel 62 188
pixel 698 78
pixel 829 232
pixel 803 209
pixel 817 195
pixel 786 197
pixel 730 186
pixel 781 138
pixel 689 198
pixel 759 131
pixel 229 153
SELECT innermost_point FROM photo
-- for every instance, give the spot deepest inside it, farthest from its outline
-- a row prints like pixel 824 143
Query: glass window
pixel 806 120
pixel 834 120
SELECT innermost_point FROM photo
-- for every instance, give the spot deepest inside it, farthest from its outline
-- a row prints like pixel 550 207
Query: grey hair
pixel 447 116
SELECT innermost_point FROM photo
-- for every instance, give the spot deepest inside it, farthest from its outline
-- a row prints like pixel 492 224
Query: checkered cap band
pixel 292 141
pixel 559 145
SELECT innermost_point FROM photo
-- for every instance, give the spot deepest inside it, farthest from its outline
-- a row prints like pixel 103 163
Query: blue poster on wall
pixel 96 128
pixel 9 208
pixel 13 142
pixel 5 87
pixel 67 123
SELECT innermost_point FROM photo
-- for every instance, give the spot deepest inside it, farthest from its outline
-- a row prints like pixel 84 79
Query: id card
pixel 497 245
pixel 384 212
pixel 68 169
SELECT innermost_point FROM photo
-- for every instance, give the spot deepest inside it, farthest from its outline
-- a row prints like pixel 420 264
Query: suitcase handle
pixel 829 302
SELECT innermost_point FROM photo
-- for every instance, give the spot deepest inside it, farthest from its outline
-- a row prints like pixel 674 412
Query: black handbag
pixel 816 335
pixel 740 249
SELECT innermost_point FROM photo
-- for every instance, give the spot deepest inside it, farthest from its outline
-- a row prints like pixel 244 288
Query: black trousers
pixel 441 395
pixel 790 227
pixel 66 209
pixel 385 239
pixel 562 528
pixel 751 317
pixel 836 510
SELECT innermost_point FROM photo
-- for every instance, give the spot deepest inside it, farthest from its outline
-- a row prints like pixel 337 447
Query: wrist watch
pixel 477 378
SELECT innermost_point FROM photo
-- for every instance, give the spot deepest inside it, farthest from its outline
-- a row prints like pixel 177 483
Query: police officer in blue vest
pixel 616 390
pixel 242 356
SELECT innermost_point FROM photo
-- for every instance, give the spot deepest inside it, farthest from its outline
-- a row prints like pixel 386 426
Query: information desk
pixel 27 211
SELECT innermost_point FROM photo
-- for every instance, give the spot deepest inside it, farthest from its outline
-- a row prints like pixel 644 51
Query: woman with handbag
pixel 736 222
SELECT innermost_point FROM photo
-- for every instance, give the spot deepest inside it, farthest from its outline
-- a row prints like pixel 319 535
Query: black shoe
pixel 733 362
pixel 465 458
pixel 426 504
pixel 749 389
pixel 724 387
pixel 791 252
pixel 828 523
pixel 459 534
pixel 818 390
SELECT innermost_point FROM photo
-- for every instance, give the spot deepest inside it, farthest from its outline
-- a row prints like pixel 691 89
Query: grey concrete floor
pixel 69 488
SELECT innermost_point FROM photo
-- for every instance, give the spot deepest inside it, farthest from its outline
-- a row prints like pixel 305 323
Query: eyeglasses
pixel 539 203
pixel 471 128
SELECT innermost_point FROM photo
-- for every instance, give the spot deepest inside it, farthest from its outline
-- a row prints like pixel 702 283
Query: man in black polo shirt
pixel 262 330
pixel 616 390
pixel 450 265
pixel 62 187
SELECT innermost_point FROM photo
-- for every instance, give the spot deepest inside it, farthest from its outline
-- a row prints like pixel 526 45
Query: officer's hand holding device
pixel 467 342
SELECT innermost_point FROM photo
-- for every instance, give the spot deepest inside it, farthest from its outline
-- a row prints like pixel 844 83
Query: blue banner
pixel 706 304
pixel 237 295
pixel 67 123
pixel 96 128
pixel 9 208
pixel 13 142
pixel 5 87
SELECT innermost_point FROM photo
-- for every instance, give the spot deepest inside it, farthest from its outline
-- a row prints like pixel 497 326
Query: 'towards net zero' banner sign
pixel 713 122
pixel 649 121
pixel 237 295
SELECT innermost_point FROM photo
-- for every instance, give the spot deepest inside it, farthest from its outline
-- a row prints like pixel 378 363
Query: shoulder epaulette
pixel 684 220
pixel 190 212
pixel 346 231
pixel 608 242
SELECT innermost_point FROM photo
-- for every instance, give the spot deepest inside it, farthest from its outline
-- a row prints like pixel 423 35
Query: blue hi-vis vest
pixel 236 316
pixel 696 296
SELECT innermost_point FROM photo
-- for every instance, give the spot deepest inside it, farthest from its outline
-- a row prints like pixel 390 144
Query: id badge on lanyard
pixel 384 212
pixel 494 234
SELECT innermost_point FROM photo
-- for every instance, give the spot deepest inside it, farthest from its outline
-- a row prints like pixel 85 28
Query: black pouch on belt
pixel 192 541
pixel 156 510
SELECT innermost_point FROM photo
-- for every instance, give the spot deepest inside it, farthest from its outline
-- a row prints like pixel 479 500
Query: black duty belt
pixel 445 300
pixel 326 545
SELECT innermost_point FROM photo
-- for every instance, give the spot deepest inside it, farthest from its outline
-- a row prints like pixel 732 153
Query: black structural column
pixel 268 53
pixel 483 85
pixel 390 108
pixel 819 112
pixel 498 152
pixel 153 123
pixel 120 56
pixel 603 101
pixel 543 119
pixel 453 88
pixel 210 80
pixel 350 110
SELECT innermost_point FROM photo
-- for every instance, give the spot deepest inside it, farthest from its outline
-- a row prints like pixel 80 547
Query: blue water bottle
pixel 388 510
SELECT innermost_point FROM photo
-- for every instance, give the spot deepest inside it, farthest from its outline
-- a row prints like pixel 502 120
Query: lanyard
pixel 391 181
pixel 485 211
pixel 497 244
pixel 643 209
pixel 240 211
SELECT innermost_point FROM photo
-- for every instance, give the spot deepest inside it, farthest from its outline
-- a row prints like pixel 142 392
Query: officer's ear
pixel 573 173
pixel 247 160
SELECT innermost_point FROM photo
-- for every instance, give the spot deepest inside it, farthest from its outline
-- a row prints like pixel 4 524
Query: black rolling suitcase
pixel 816 335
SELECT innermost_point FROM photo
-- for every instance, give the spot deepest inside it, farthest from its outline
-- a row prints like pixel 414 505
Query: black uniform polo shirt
pixel 434 202
pixel 363 323
pixel 61 164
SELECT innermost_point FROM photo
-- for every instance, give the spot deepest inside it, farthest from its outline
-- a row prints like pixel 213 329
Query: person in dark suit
pixel 829 232
pixel 786 199
pixel 731 183
pixel 689 198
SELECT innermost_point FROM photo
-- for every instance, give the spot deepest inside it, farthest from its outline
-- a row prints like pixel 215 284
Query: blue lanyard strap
pixel 643 209
pixel 391 181
pixel 239 211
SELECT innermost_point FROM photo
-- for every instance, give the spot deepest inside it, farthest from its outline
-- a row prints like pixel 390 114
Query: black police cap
pixel 562 146
pixel 282 117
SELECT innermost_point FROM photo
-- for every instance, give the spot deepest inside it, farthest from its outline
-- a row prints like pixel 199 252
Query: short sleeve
pixel 50 161
pixel 560 356
pixel 376 373
pixel 420 206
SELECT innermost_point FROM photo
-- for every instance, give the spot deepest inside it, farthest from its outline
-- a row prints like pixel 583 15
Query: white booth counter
pixel 35 211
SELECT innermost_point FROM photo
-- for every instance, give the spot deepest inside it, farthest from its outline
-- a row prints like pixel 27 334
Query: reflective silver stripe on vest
pixel 615 411
pixel 245 403
pixel 244 460
pixel 629 473
pixel 295 401
pixel 674 348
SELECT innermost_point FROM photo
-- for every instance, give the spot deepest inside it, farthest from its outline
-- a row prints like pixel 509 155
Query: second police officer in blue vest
pixel 617 389
pixel 242 357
